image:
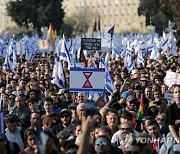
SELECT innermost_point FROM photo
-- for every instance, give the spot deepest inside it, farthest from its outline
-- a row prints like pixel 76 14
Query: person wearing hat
pixel 152 109
pixel 131 103
pixel 144 82
pixel 121 103
pixel 65 116
pixel 61 99
pixel 72 108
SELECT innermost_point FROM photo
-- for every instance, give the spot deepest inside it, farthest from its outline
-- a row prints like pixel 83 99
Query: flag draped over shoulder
pixel 50 35
pixel 141 107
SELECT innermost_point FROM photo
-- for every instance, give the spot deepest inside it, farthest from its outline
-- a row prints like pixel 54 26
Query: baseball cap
pixel 65 111
pixel 125 94
pixel 130 98
pixel 152 103
pixel 60 92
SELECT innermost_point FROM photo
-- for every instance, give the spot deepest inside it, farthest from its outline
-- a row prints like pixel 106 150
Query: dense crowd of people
pixel 32 104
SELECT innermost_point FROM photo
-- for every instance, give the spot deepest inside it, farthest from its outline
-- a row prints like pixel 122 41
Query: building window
pixel 110 12
pixel 82 3
pixel 116 12
pixel 104 12
pixel 105 2
pixel 116 2
pixel 93 3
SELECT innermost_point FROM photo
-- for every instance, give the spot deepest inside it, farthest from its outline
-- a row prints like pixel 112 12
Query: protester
pixel 13 132
pixel 31 139
pixel 135 101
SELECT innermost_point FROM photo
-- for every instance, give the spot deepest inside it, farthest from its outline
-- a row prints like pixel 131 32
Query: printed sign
pixel 87 79
pixel 43 44
pixel 91 44
pixel 172 78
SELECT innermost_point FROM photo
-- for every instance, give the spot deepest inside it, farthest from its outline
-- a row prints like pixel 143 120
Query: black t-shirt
pixel 173 116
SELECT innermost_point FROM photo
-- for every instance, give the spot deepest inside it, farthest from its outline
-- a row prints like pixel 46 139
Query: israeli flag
pixel 58 75
pixel 108 80
pixel 115 52
pixel 107 58
pixel 64 53
pixel 7 62
pixel 140 58
pixel 14 64
pixel 129 62
pixel 42 143
pixel 154 53
pixel 164 45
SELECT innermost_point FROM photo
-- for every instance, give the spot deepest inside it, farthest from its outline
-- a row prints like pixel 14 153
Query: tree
pixel 36 13
pixel 172 8
pixel 152 10
pixel 67 28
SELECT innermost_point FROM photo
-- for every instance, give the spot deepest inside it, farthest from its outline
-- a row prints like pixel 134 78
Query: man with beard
pixel 154 130
pixel 131 103
pixel 65 116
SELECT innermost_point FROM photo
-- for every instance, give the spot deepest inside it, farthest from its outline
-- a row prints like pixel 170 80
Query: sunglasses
pixel 101 143
pixel 118 85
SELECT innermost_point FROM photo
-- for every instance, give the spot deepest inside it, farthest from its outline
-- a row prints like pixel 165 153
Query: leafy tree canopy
pixel 152 10
pixel 36 13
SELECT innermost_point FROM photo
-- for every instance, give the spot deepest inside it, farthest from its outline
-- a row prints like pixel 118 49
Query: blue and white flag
pixel 115 52
pixel 1 116
pixel 14 64
pixel 108 80
pixel 129 62
pixel 140 58
pixel 42 143
pixel 173 49
pixel 64 53
pixel 164 45
pixel 107 58
pixel 58 75
pixel 7 62
pixel 154 53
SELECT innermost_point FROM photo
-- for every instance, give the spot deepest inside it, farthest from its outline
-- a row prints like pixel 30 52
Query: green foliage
pixel 38 13
pixel 151 9
pixel 67 28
